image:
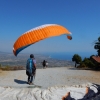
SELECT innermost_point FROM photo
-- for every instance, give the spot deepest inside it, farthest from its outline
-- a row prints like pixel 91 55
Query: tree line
pixel 87 62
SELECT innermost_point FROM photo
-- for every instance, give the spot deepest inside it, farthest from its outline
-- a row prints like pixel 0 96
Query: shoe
pixel 31 83
pixel 28 82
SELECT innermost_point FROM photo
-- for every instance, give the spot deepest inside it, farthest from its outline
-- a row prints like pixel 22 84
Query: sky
pixel 80 17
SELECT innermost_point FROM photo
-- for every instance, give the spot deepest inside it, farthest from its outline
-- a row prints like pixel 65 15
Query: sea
pixel 68 55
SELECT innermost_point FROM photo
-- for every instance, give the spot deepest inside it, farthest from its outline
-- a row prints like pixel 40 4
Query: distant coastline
pixel 68 55
pixel 8 59
pixel 54 59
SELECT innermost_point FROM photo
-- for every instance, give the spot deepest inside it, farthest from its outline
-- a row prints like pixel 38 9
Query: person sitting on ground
pixel 90 92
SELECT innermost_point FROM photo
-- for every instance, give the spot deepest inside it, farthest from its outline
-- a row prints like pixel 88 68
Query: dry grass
pixel 9 68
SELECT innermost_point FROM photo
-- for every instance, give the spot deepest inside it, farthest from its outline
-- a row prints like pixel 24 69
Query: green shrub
pixel 86 63
pixel 82 65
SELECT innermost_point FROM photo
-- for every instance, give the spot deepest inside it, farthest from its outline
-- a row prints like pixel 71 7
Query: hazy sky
pixel 80 17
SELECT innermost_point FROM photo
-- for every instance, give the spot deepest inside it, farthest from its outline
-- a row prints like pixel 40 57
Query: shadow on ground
pixel 73 68
pixel 20 81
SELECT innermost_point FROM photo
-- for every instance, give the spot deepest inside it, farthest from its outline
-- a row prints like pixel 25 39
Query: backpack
pixel 30 67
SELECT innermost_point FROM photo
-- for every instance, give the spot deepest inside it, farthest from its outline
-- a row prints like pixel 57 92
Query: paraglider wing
pixel 39 33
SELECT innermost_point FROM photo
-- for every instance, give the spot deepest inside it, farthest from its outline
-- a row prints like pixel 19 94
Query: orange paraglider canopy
pixel 39 33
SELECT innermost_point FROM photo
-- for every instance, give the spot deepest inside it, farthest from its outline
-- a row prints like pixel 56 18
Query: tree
pixel 97 46
pixel 77 59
